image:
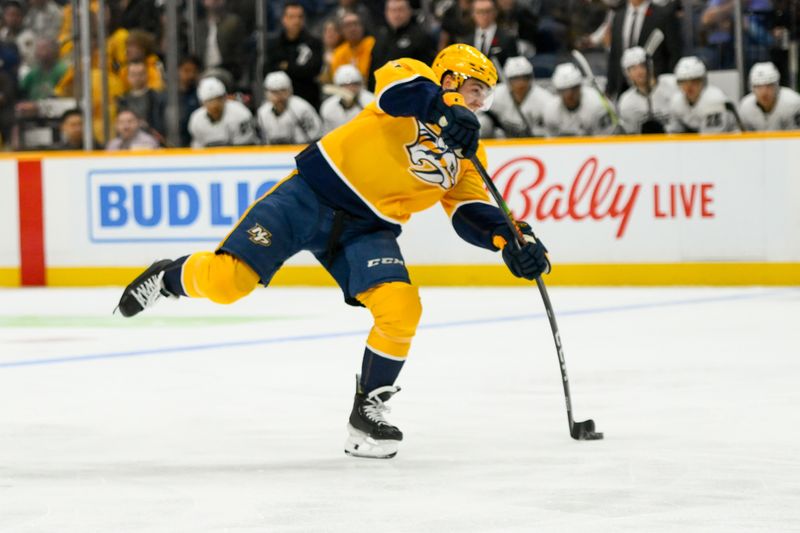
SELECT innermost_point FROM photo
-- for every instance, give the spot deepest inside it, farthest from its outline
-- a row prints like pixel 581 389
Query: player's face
pixel 691 89
pixel 477 95
pixel 354 88
pixel 72 129
pixel 571 97
pixel 214 107
pixel 765 95
pixel 278 98
pixel 519 86
pixel 638 75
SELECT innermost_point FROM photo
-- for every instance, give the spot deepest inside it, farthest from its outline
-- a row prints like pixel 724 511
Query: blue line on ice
pixel 452 324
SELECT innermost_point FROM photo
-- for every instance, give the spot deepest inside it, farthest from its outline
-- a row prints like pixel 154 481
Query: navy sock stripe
pixel 378 371
pixel 172 276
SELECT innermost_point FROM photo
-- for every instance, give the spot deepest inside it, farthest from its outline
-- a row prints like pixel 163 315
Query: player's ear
pixel 449 82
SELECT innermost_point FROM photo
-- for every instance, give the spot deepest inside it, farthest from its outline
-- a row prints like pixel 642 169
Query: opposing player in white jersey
pixel 348 101
pixel 578 110
pixel 518 107
pixel 285 118
pixel 647 100
pixel 220 122
pixel 769 107
pixel 698 107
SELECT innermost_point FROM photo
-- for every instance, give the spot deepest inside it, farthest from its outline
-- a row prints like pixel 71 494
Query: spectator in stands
pixel 13 16
pixel 188 76
pixel 348 101
pixel 42 79
pixel 402 37
pixel 8 99
pixel 130 135
pixel 220 122
pixel 71 131
pixel 519 21
pixel 220 35
pixel 699 107
pixel 43 18
pixel 331 39
pixel 518 107
pixel 66 87
pixel 357 47
pixel 487 37
pixel 769 107
pixel 285 118
pixel 456 19
pixel 296 52
pixel 632 25
pixel 146 103
pixel 137 15
pixel 140 47
pixel 578 110
pixel 347 6
pixel 644 107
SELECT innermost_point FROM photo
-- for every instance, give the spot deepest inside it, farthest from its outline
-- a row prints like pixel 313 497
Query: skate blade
pixel 359 444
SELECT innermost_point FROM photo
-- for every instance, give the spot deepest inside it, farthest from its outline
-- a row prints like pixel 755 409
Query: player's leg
pixel 271 230
pixel 371 271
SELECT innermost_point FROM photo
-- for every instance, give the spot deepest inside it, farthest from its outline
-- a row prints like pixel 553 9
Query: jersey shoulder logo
pixel 431 160
pixel 259 235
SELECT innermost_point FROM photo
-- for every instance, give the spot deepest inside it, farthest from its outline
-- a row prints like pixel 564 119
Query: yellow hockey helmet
pixel 464 61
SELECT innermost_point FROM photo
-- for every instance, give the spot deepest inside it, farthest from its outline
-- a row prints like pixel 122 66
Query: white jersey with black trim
pixel 589 118
pixel 334 113
pixel 511 124
pixel 785 115
pixel 634 108
pixel 234 128
pixel 707 115
pixel 299 123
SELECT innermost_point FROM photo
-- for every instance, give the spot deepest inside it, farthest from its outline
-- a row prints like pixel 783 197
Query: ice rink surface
pixel 200 418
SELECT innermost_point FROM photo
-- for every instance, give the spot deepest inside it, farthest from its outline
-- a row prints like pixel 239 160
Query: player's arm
pixel 482 224
pixel 406 88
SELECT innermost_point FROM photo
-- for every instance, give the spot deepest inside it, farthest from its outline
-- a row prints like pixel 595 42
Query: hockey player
pixel 220 122
pixel 285 118
pixel 518 108
pixel 698 107
pixel 346 201
pixel 647 100
pixel 578 110
pixel 348 101
pixel 769 107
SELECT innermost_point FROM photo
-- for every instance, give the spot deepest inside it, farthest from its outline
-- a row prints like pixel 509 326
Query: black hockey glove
pixel 530 261
pixel 460 126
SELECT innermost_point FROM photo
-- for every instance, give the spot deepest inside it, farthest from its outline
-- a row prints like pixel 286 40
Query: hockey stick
pixel 652 124
pixel 578 430
pixel 732 108
pixel 587 71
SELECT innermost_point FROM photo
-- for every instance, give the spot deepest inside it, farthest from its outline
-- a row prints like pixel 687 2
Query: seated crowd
pixel 321 55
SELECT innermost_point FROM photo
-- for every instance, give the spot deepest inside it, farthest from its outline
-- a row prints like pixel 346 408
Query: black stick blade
pixel 585 431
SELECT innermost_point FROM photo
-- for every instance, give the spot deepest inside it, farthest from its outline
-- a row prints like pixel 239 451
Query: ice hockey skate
pixel 145 290
pixel 370 435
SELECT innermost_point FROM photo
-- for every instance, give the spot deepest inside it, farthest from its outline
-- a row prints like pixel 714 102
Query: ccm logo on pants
pixel 384 261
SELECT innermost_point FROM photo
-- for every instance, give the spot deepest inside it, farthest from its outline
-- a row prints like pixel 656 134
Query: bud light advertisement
pixel 174 204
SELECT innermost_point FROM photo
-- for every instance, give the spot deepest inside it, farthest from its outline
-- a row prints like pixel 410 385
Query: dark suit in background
pixel 664 18
pixel 502 47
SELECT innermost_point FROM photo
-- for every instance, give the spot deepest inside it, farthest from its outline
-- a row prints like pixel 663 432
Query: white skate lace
pixel 149 291
pixel 374 408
